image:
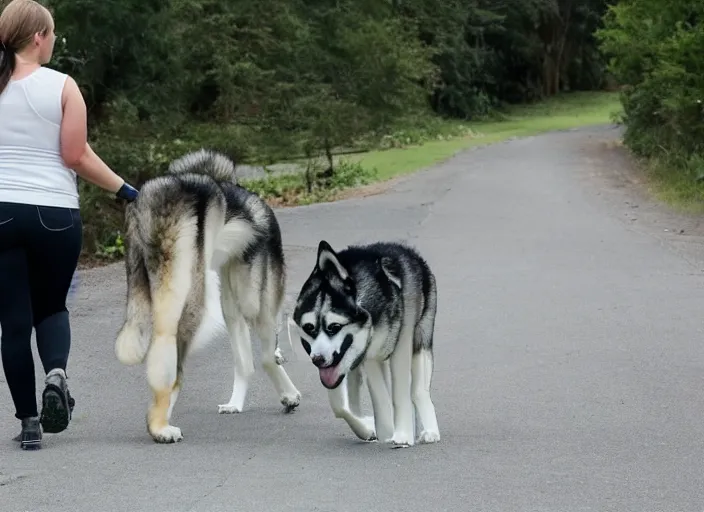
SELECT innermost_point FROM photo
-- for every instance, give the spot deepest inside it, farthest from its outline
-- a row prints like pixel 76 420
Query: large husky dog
pixel 203 254
pixel 364 308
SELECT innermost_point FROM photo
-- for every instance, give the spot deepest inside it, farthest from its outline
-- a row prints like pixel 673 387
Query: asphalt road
pixel 569 362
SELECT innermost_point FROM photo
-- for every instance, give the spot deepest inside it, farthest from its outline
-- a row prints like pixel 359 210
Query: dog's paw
pixel 168 434
pixel 279 357
pixel 428 437
pixel 401 440
pixel 290 401
pixel 368 432
pixel 229 409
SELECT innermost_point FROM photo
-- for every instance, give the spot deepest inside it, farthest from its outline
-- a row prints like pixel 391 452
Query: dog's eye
pixel 333 329
pixel 309 329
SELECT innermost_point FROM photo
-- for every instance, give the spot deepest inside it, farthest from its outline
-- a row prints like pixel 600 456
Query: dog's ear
pixel 362 316
pixel 328 262
pixel 390 268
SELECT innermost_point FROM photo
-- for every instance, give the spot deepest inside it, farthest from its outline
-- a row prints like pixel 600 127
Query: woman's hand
pixel 127 192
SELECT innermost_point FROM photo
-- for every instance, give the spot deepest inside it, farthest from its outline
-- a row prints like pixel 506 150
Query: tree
pixel 655 51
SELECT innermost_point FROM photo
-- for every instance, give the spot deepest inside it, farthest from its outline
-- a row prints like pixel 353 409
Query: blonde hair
pixel 20 20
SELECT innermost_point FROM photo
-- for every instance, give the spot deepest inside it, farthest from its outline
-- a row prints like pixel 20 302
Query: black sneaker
pixel 57 404
pixel 30 438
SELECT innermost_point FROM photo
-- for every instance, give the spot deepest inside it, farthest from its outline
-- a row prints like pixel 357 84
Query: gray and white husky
pixel 362 309
pixel 203 255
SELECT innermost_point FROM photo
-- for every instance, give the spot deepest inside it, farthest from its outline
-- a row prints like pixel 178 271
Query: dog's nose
pixel 318 361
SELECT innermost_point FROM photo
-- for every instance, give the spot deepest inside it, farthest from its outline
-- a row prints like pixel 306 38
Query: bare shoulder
pixel 71 91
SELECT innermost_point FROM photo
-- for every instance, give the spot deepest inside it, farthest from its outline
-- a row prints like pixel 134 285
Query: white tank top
pixel 31 168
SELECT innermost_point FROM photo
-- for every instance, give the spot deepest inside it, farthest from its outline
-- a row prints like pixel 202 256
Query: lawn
pixel 560 113
pixel 678 182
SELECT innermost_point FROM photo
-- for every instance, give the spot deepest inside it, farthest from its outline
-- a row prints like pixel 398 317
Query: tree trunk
pixel 328 154
pixel 557 74
pixel 310 172
pixel 554 35
pixel 551 74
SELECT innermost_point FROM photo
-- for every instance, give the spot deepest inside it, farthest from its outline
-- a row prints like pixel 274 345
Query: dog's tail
pixel 170 245
pixel 160 260
pixel 205 161
pixel 133 339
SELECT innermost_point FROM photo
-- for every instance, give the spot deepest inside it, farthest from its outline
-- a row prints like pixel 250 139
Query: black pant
pixel 39 249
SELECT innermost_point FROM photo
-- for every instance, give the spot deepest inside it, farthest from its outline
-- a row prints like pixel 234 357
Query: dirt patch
pixel 623 185
pixel 373 189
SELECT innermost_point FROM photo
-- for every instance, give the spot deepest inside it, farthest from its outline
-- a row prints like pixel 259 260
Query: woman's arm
pixel 77 153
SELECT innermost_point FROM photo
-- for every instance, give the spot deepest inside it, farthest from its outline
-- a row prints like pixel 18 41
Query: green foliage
pixel 311 186
pixel 655 51
pixel 277 80
pixel 112 250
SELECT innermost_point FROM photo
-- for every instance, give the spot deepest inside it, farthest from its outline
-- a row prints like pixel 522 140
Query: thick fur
pixel 204 256
pixel 372 309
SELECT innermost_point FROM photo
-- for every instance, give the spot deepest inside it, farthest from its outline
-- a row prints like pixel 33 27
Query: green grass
pixel 561 113
pixel 678 182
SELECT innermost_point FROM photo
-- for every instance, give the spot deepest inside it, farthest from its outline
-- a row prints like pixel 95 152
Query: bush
pixel 656 53
pixel 138 151
pixel 312 185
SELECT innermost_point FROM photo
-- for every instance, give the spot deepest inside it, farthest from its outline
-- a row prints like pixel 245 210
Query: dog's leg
pixel 243 363
pixel 354 382
pixel 241 348
pixel 422 370
pixel 363 428
pixel 422 367
pixel 174 396
pixel 381 399
pixel 212 324
pixel 289 396
pixel 387 375
pixel 401 388
pixel 162 377
pixel 170 288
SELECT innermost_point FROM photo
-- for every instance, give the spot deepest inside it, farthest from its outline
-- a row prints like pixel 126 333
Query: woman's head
pixel 27 29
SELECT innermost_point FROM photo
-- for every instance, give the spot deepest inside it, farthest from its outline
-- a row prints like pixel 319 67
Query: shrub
pixel 656 53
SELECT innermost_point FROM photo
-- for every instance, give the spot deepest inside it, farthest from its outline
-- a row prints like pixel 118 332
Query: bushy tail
pixel 133 339
pixel 425 328
pixel 205 161
pixel 161 228
pixel 164 260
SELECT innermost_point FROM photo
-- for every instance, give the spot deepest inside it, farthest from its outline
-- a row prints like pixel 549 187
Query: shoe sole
pixel 55 415
pixel 31 445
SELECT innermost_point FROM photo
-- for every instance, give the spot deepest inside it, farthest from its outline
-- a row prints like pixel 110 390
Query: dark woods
pixel 307 66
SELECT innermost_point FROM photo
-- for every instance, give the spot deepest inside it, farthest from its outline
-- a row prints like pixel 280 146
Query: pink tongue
pixel 329 375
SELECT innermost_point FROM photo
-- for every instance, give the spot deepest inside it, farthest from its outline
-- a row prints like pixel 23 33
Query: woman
pixel 43 145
